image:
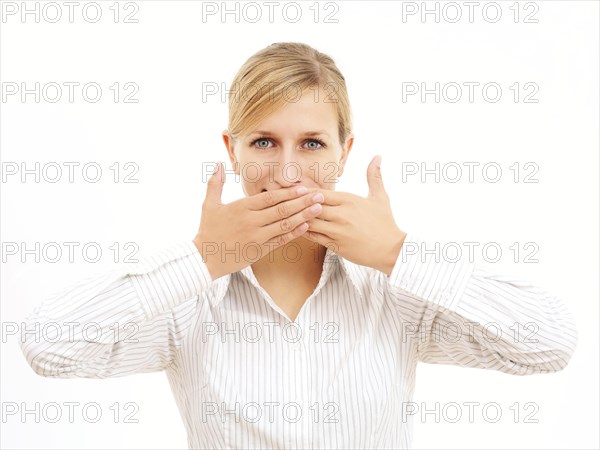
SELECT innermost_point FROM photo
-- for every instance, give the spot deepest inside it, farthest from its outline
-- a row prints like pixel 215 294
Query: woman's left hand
pixel 361 230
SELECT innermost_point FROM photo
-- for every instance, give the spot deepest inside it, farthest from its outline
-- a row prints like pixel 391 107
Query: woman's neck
pixel 299 258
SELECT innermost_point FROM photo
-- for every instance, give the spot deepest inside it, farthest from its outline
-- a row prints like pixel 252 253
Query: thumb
pixel 374 179
pixel 214 189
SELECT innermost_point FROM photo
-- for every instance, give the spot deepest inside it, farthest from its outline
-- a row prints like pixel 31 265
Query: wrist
pixel 391 256
pixel 209 262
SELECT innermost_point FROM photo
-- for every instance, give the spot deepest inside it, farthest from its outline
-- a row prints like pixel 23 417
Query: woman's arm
pixel 142 313
pixel 129 320
pixel 462 314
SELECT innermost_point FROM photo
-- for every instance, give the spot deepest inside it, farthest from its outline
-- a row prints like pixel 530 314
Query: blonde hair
pixel 281 73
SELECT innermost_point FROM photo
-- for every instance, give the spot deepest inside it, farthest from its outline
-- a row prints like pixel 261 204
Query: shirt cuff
pixel 426 270
pixel 170 277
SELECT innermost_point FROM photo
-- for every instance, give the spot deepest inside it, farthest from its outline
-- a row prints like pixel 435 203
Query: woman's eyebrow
pixel 306 133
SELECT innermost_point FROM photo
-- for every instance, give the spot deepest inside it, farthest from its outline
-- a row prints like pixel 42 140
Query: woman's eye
pixel 316 144
pixel 262 140
pixel 313 144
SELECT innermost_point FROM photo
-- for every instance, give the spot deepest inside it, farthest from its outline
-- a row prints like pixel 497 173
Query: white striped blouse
pixel 339 376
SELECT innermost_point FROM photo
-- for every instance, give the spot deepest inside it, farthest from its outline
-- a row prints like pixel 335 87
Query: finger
pixel 285 209
pixel 214 187
pixel 332 197
pixel 284 238
pixel 374 179
pixel 329 213
pixel 319 238
pixel 273 197
pixel 322 226
pixel 289 223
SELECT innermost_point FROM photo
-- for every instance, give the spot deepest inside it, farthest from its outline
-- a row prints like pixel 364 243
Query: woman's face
pixel 296 145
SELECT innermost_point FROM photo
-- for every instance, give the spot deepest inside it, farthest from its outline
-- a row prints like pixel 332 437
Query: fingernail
pixel 318 197
pixel 302 190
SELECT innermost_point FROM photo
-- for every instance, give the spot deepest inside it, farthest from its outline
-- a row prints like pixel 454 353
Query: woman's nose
pixel 288 170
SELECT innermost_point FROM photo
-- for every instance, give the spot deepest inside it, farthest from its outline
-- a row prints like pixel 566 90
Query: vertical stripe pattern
pixel 244 376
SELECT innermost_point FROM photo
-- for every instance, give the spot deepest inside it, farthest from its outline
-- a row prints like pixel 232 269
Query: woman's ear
pixel 345 152
pixel 230 145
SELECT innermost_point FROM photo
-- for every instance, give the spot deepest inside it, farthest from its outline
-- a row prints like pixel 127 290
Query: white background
pixel 170 132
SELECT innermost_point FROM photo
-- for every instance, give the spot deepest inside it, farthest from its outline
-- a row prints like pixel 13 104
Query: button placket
pixel 301 354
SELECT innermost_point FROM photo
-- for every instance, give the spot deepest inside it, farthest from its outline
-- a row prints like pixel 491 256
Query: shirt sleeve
pixel 129 320
pixel 457 312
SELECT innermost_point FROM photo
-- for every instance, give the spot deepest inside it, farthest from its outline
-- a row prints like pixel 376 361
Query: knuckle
pixel 286 225
pixel 282 210
pixel 269 198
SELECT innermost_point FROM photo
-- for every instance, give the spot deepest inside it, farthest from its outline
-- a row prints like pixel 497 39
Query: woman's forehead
pixel 306 115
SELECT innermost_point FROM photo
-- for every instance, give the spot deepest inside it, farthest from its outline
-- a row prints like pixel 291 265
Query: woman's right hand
pixel 261 222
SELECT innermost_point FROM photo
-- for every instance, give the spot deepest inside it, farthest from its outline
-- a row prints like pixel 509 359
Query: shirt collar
pixel 330 262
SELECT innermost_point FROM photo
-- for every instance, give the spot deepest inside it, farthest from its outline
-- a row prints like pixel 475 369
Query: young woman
pixel 296 318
